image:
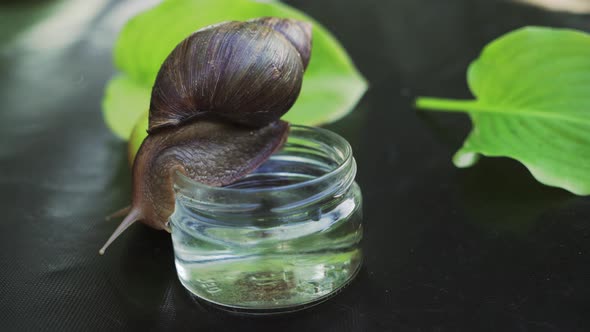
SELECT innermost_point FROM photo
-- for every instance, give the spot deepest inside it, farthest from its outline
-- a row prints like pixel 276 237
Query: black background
pixel 480 249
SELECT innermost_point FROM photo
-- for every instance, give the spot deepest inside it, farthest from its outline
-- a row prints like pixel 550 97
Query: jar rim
pixel 324 134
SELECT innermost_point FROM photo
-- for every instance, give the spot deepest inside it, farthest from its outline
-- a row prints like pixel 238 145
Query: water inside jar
pixel 278 267
pixel 283 170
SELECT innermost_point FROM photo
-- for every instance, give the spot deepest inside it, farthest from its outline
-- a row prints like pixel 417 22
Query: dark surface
pixel 481 249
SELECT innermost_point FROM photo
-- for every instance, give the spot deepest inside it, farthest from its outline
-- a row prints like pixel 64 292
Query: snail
pixel 215 110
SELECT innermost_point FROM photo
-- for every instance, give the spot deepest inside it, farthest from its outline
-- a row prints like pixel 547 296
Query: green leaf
pixel 123 104
pixel 533 105
pixel 331 88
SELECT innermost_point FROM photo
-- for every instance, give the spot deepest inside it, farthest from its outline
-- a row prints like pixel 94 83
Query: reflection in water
pixel 573 6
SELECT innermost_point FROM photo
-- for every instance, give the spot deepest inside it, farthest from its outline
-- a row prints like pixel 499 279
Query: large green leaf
pixel 331 86
pixel 533 105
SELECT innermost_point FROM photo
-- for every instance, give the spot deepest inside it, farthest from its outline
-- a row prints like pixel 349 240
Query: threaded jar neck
pixel 314 168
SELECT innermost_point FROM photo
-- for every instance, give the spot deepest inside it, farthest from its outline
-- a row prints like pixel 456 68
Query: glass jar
pixel 284 237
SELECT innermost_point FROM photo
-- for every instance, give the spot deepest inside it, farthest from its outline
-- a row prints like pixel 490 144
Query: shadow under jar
pixel 284 237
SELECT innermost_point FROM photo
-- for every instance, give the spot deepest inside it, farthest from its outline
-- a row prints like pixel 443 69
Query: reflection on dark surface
pixel 446 249
pixel 502 195
pixel 17 16
pixel 573 6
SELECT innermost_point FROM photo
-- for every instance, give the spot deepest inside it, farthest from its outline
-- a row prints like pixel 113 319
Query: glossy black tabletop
pixel 446 249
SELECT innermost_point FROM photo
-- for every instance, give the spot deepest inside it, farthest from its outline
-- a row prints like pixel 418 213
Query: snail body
pixel 215 110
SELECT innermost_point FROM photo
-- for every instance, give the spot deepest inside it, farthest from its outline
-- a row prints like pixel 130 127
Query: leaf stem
pixel 447 105
pixel 474 106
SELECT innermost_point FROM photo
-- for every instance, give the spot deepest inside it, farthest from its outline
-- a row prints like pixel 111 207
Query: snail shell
pixel 243 72
pixel 215 110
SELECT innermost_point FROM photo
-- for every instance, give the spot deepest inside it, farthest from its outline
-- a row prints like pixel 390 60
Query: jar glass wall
pixel 284 237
